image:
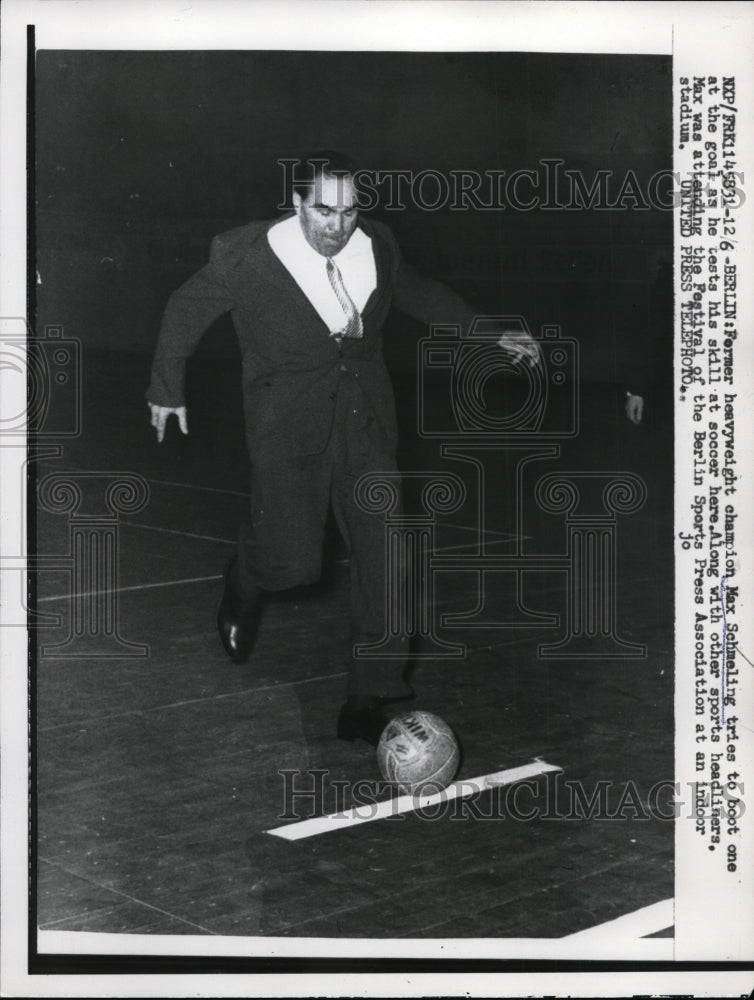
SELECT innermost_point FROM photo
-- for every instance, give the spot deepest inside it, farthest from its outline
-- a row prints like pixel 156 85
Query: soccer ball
pixel 418 750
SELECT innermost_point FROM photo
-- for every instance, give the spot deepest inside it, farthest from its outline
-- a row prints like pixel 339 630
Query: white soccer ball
pixel 418 750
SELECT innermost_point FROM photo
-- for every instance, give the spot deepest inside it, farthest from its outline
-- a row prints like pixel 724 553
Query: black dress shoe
pixel 238 618
pixel 363 719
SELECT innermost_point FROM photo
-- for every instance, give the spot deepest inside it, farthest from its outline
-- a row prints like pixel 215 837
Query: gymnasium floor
pixel 158 776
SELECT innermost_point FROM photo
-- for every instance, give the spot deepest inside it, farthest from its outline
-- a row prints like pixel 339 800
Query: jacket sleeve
pixel 191 309
pixel 424 299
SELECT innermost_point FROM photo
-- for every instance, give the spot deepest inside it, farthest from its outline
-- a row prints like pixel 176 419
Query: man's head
pixel 326 204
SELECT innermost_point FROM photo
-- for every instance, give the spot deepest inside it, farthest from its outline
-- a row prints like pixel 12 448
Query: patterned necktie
pixel 354 327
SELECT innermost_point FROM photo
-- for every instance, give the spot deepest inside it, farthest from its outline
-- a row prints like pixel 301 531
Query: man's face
pixel 328 214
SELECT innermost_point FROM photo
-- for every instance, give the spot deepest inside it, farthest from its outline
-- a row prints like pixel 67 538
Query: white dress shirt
pixel 307 268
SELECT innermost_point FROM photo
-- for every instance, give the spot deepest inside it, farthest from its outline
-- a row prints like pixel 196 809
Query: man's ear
pixel 297 202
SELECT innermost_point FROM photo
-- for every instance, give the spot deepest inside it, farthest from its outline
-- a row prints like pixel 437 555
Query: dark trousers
pixel 282 547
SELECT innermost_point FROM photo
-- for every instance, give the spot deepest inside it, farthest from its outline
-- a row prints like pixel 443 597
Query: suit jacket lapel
pixel 382 263
pixel 279 275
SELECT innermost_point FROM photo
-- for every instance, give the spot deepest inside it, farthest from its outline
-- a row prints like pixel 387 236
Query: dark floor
pixel 158 765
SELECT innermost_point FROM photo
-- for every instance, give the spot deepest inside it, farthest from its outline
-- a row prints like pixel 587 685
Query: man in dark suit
pixel 309 295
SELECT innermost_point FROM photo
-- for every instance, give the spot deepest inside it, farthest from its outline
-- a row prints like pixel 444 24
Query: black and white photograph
pixel 376 604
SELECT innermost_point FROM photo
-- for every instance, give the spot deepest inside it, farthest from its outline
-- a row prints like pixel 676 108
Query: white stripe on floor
pixel 629 927
pixel 176 531
pixel 193 486
pixel 410 803
pixel 137 586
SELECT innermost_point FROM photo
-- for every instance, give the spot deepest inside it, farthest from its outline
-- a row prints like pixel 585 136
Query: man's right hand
pixel 634 408
pixel 160 415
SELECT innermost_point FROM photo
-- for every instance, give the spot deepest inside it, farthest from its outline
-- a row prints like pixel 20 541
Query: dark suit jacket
pixel 291 366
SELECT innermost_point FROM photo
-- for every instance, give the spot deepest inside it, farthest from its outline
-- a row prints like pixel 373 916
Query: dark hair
pixel 324 162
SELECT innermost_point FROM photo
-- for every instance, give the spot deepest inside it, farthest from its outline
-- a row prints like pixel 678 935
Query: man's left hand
pixel 522 346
